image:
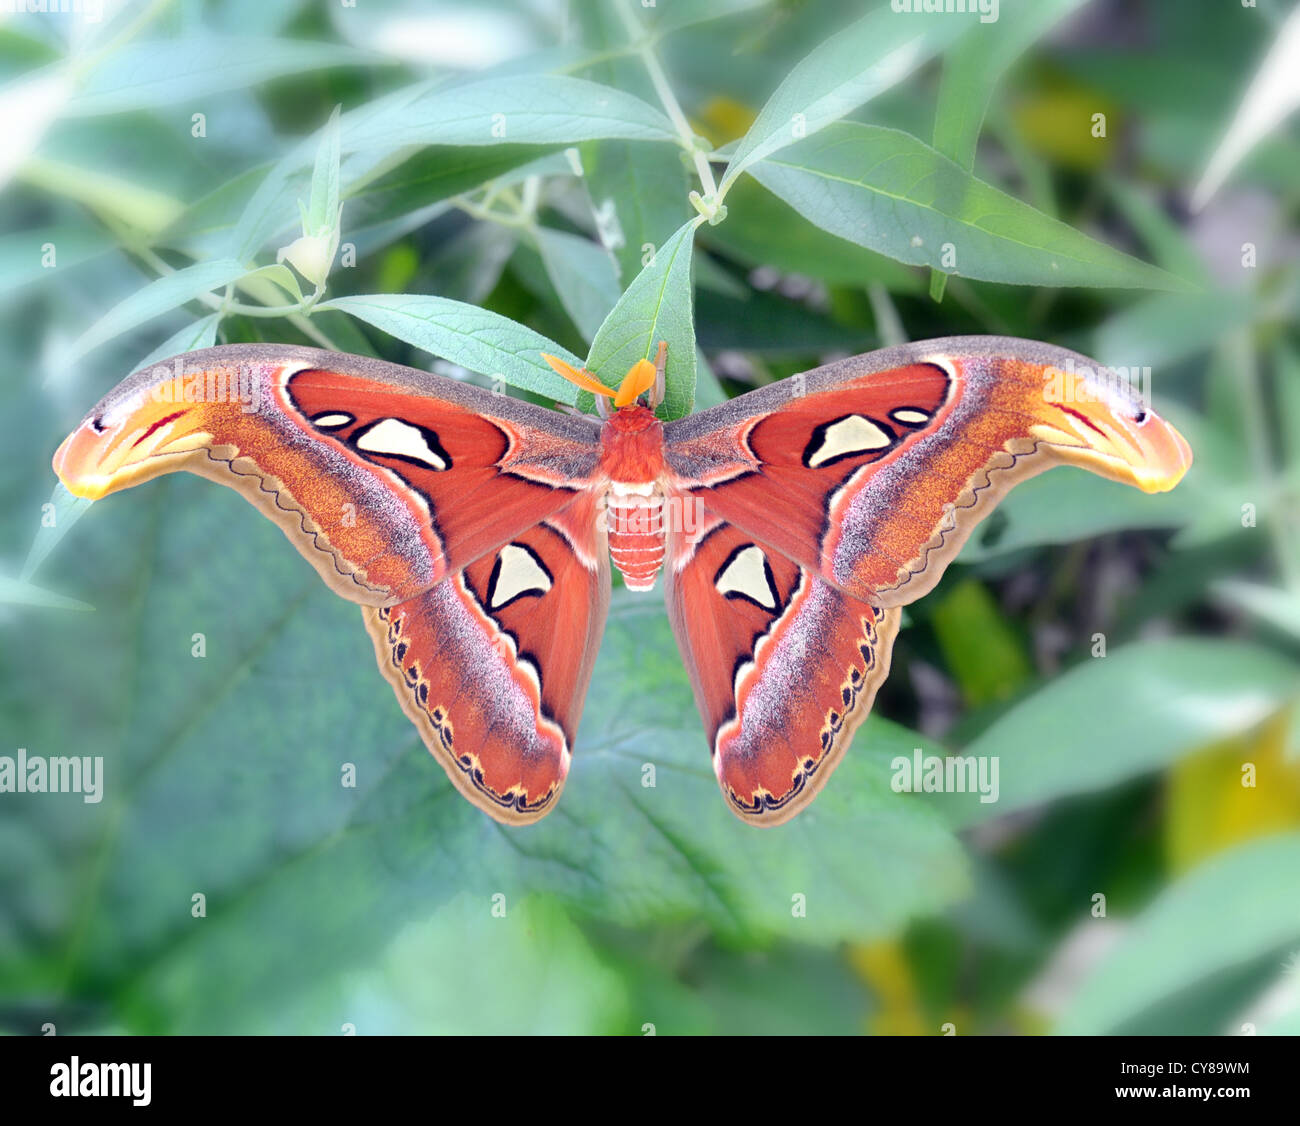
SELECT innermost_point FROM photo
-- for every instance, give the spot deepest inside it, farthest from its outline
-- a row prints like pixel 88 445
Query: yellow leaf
pixel 722 120
pixel 1211 803
pixel 1063 125
pixel 883 966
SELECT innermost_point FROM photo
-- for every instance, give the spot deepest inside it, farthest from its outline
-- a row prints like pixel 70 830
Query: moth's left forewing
pixel 385 478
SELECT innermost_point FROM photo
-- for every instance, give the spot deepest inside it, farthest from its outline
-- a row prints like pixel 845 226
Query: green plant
pixel 566 202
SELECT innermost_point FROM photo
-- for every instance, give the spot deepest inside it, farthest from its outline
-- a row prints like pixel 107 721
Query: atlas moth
pixel 476 531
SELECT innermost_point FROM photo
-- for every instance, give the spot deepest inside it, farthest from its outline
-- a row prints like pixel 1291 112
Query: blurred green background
pixel 1131 660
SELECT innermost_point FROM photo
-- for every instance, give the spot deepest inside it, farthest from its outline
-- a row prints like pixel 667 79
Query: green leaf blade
pixel 474 338
pixel 657 306
pixel 526 109
pixel 887 191
pixel 847 70
pixel 158 297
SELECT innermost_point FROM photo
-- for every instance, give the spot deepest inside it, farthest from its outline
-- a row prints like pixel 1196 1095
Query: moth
pixel 475 530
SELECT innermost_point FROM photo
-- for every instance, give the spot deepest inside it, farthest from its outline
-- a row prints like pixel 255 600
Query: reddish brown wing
pixel 832 498
pixel 873 471
pixel 784 666
pixel 492 665
pixel 464 522
pixel 385 478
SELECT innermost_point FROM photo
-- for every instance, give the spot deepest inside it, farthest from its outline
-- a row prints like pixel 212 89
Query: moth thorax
pixel 634 517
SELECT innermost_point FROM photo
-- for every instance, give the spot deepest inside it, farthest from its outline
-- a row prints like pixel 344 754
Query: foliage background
pixel 372 907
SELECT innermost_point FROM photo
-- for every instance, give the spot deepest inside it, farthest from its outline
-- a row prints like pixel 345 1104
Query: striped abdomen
pixel 635 518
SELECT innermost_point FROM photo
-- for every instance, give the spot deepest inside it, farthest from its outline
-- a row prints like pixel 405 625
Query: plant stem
pixel 225 306
pixel 672 107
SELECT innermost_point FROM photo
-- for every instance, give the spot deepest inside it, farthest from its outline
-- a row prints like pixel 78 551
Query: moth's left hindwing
pixel 492 665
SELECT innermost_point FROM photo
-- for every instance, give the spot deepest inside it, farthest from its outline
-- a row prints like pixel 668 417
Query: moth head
pixel 127 438
pixel 1094 418
pixel 643 376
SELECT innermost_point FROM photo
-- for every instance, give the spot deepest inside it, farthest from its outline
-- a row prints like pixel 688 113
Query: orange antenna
pixel 639 379
pixel 579 376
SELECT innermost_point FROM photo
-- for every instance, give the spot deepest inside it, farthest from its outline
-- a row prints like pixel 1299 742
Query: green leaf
pixel 1273 605
pixel 519 109
pixel 972 71
pixel 657 306
pixel 65 510
pixel 475 338
pixel 850 68
pixel 762 230
pixel 1069 505
pixel 140 207
pixel 771 324
pixel 887 191
pixel 23 253
pixel 1273 95
pixel 146 74
pixel 981 649
pixel 1237 907
pixel 201 334
pixel 554 984
pixel 663 18
pixel 1168 245
pixel 1286 360
pixel 430 175
pixel 583 274
pixel 1160 330
pixel 17 592
pixel 43 94
pixel 1162 700
pixel 638 195
pixel 323 207
pixel 156 298
pixel 975 65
